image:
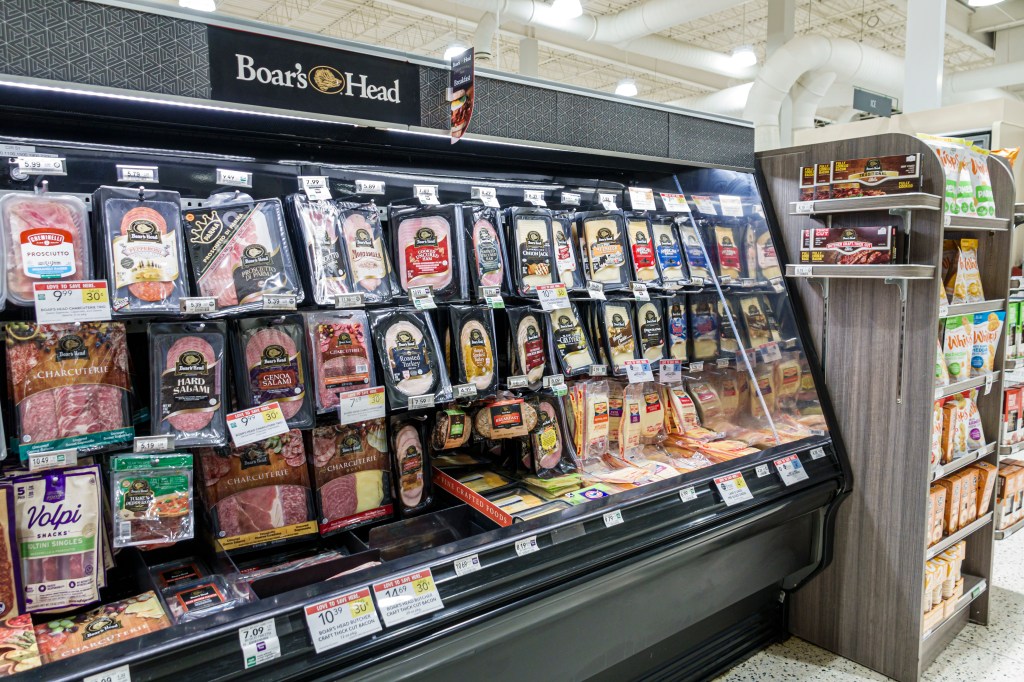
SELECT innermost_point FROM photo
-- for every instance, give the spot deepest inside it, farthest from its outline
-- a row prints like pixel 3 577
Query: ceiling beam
pixel 998 17
pixel 958 26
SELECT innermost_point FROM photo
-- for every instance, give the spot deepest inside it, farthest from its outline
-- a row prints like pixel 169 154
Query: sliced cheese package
pixel 531 237
pixel 696 256
pixel 678 328
pixel 650 324
pixel 729 339
pixel 569 341
pixel 616 321
pixel 643 418
pixel 528 338
pixel 569 264
pixel 595 418
pixel 410 355
pixel 642 245
pixel 428 250
pixel 603 232
pixel 470 348
pixel 668 250
pixel 705 326
pixel 485 245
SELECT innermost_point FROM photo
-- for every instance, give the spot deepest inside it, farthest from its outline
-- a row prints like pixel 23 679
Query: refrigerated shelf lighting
pixel 626 87
pixel 200 5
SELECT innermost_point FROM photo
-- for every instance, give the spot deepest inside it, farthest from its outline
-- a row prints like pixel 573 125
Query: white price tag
pixel 554 380
pixel 316 187
pixel 731 205
pixel 63 302
pixel 198 305
pixel 947 220
pixel 369 186
pixel 675 203
pixel 612 518
pixel 642 199
pixel 349 301
pixel 422 298
pixel 943 310
pixel 791 469
pixel 144 444
pixel 40 165
pixel 407 597
pixel 762 470
pixel 688 494
pixel 670 371
pixel 803 271
pixel 553 296
pixel 427 194
pixel 697 366
pixel 817 453
pixel 361 405
pixel 137 173
pixel 598 370
pixel 607 200
pixel 492 297
pixel 733 488
pixel 421 402
pixel 519 381
pixel 259 643
pixel 817 432
pixel 233 178
pixel 704 204
pixel 488 196
pixel 570 199
pixel 467 564
pixel 805 207
pixel 342 619
pixel 54 459
pixel 16 150
pixel 639 371
pixel 527 546
pixel 279 301
pixel 722 363
pixel 697 281
pixel 596 291
pixel 989 378
pixel 118 674
pixel 464 391
pixel 256 424
pixel 640 292
pixel 770 352
pixel 534 196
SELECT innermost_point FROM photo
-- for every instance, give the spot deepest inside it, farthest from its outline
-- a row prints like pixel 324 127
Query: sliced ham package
pixel 485 245
pixel 270 359
pixel 187 362
pixel 409 440
pixel 143 253
pixel 258 495
pixel 532 243
pixel 471 348
pixel 326 272
pixel 428 249
pixel 567 258
pixel 370 268
pixel 45 237
pixel 351 475
pixel 642 249
pixel 70 384
pixel 411 356
pixel 239 251
pixel 527 345
pixel 341 355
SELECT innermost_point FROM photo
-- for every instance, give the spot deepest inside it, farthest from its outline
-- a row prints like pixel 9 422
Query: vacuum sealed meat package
pixel 570 271
pixel 409 351
pixel 550 441
pixel 485 243
pixel 411 464
pixel 370 268
pixel 570 341
pixel 427 242
pixel 151 499
pixel 46 237
pixel 143 250
pixel 270 354
pixel 640 236
pixel 471 344
pixel 326 271
pixel 604 235
pixel 531 235
pixel 239 252
pixel 527 352
pixel 187 385
pixel 341 354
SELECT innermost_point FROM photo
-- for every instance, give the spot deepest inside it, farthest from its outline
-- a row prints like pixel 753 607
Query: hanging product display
pixel 427 243
pixel 678 328
pixel 485 243
pixel 472 346
pixel 603 233
pixel 187 362
pixel 616 318
pixel 570 341
pixel 408 348
pixel 151 499
pixel 642 249
pixel 411 464
pixel 651 330
pixel 570 270
pixel 271 353
pixel 531 233
pixel 326 267
pixel 341 354
pixel 527 345
pixel 667 250
pixel 351 475
pixel 369 266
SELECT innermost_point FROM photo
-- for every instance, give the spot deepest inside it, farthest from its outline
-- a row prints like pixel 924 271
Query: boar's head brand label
pixel 71 347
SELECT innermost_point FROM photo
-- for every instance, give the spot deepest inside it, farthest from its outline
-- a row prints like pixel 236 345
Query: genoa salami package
pixel 46 237
pixel 258 495
pixel 341 355
pixel 410 354
pixel 485 244
pixel 351 475
pixel 143 251
pixel 70 384
pixel 532 244
pixel 151 499
pixel 58 517
pixel 570 271
pixel 427 243
pixel 642 249
pixel 604 235
pixel 411 464
pixel 270 358
pixel 527 350
pixel 187 386
pixel 368 262
pixel 238 252
pixel 472 348
pixel 325 271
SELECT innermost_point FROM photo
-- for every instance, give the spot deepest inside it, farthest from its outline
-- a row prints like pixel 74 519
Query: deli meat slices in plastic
pixel 340 353
pixel 271 366
pixel 428 249
pixel 408 347
pixel 187 361
pixel 326 265
pixel 371 271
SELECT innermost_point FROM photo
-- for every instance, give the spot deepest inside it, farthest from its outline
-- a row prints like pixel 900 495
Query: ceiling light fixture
pixel 454 50
pixel 983 3
pixel 566 9
pixel 744 56
pixel 626 87
pixel 200 5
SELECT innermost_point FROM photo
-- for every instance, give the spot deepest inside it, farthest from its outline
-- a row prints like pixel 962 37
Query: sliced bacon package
pixel 270 360
pixel 143 252
pixel 341 355
pixel 428 250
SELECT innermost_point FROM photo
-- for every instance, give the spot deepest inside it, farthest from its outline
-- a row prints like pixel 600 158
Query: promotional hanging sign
pixel 461 93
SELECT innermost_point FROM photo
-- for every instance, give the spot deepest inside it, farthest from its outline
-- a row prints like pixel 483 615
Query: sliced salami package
pixel 238 252
pixel 410 355
pixel 271 365
pixel 616 320
pixel 485 245
pixel 527 345
pixel 45 237
pixel 604 233
pixel 411 464
pixel 650 325
pixel 428 249
pixel 567 259
pixel 341 355
pixel 143 251
pixel 472 348
pixel 370 269
pixel 531 239
pixel 668 251
pixel 187 361
pixel 323 255
pixel 642 249
pixel 569 341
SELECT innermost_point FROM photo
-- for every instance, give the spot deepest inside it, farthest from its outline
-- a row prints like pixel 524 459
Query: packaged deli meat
pixel 151 499
pixel 705 326
pixel 875 176
pixel 696 258
pixel 567 260
pixel 341 354
pixel 326 271
pixel 370 268
pixel 428 249
pixel 472 348
pixel 667 249
pixel 70 384
pixel 46 237
pixel 238 252
pixel 528 351
pixel 531 236
pixel 506 417
pixel 351 475
pixel 11 590
pixel 59 575
pixel 604 235
pixel 848 245
pixel 678 328
pixel 258 495
pixel 411 464
pixel 485 244
pixel 270 354
pixel 410 354
pixel 569 341
pixel 550 440
pixel 617 322
pixel 142 249
pixel 204 598
pixel 452 429
pixel 187 362
pixel 640 236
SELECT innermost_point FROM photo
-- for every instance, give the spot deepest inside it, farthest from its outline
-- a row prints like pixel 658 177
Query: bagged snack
pixel 963 283
pixel 428 249
pixel 957 343
pixel 351 475
pixel 370 268
pixel 323 247
pixel 936 440
pixel 952 157
pixel 187 382
pixel 642 249
pixel 341 354
pixel 411 464
pixel 570 341
pixel 987 329
pixel 151 499
pixel 667 249
pixel 606 247
pixel 941 372
pixel 528 353
pixel 955 417
pixel 616 318
pixel 485 243
pixel 532 244
pixel 975 433
pixel 981 182
pixel 704 326
pixel 651 331
pixel 472 343
pixel 570 271
pixel 270 355
pixel 11 590
pixel 410 354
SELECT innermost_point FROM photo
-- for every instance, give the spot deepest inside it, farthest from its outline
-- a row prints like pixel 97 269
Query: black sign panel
pixel 252 69
pixel 869 102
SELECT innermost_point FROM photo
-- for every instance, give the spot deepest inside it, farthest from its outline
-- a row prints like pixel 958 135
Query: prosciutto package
pixel 142 247
pixel 408 348
pixel 70 385
pixel 239 252
pixel 370 268
pixel 341 355
pixel 46 237
pixel 411 464
pixel 323 250
pixel 485 245
pixel 187 386
pixel 270 358
pixel 428 249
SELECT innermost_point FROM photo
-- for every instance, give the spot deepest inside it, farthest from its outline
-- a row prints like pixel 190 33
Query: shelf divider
pixel 948 541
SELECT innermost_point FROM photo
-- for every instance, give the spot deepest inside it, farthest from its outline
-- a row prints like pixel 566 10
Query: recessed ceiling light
pixel 983 3
pixel 744 56
pixel 566 9
pixel 455 49
pixel 626 87
pixel 201 5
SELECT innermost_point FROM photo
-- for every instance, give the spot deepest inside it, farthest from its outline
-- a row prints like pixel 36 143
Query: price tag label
pixel 598 370
pixel 803 271
pixel 227 177
pixel 596 291
pixel 63 302
pixel 670 371
pixel 805 207
pixel 342 619
pixel 770 352
pixel 731 205
pixel 149 174
pixel 349 301
pixel 560 390
pixel 977 590
pixel 817 453
pixel 492 297
pixel 553 296
pixel 40 165
pixel 369 186
pixel 607 200
pixel 688 494
pixel 534 196
pixel 198 305
pixel 989 378
pixel 639 371
pixel 464 391
pixel 722 363
pixel 144 444
pixel 943 310
pixel 697 366
pixel 570 199
pixel 733 488
pixel 704 204
pixel 259 643
pixel 488 196
pixel 427 194
pixel 947 220
pixel 54 459
pixel 640 292
pixel 697 281
pixel 407 597
pixel 421 402
pixel 791 470
pixel 467 564
pixel 817 432
pixel 642 199
pixel 763 470
pixel 612 518
pixel 256 424
pixel 675 203
pixel 118 674
pixel 279 301
pixel 519 381
pixel 361 405
pixel 554 380
pixel 527 546
pixel 316 187
pixel 422 298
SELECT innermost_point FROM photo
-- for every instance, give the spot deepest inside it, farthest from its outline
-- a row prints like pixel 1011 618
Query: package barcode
pixel 362 368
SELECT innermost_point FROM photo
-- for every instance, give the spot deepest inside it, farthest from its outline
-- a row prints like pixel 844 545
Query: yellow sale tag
pixel 360 606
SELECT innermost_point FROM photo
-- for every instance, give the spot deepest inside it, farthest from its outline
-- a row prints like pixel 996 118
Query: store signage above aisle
pixel 461 92
pixel 252 69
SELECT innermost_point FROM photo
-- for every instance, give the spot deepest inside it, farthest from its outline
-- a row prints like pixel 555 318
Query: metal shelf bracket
pixel 901 285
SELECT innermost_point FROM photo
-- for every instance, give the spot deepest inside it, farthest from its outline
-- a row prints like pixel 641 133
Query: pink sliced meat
pixel 293 452
pixel 338 498
pixel 323 445
pixel 264 508
pixel 425 257
pixel 214 466
pixel 254 352
pixel 31 213
pixel 344 372
pixel 39 417
pixel 190 422
pixel 218 281
pixel 88 408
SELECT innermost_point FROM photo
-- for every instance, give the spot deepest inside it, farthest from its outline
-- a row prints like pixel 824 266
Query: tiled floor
pixel 978 654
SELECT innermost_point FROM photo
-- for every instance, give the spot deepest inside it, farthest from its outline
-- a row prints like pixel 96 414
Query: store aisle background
pixel 978 654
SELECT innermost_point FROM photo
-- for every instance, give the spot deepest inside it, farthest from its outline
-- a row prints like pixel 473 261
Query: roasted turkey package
pixel 471 348
pixel 411 463
pixel 485 245
pixel 531 238
pixel 270 359
pixel 428 249
pixel 341 355
pixel 410 355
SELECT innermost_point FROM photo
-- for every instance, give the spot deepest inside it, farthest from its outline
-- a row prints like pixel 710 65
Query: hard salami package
pixel 411 356
pixel 531 239
pixel 258 495
pixel 569 265
pixel 411 464
pixel 428 249
pixel 472 348
pixel 603 232
pixel 70 385
pixel 642 249
pixel 45 237
pixel 370 268
pixel 238 252
pixel 151 499
pixel 143 251
pixel 270 359
pixel 341 355
pixel 667 250
pixel 187 362
pixel 58 515
pixel 326 272
pixel 485 245
pixel 527 349
pixel 352 477
pixel 617 320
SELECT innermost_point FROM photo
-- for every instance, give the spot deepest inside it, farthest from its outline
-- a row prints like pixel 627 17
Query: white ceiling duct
pixel 727 101
pixel 998 76
pixel 807 95
pixel 483 38
pixel 653 16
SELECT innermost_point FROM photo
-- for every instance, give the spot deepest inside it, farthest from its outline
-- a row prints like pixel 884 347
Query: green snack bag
pixel 151 496
pixel 957 342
